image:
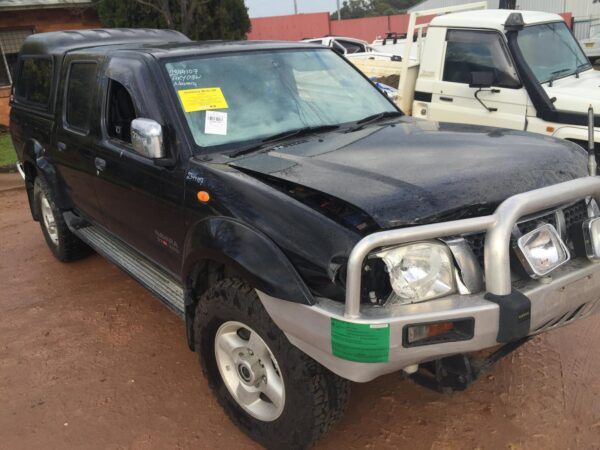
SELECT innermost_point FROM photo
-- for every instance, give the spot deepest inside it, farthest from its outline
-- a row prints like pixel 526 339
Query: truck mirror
pixel 482 80
pixel 147 138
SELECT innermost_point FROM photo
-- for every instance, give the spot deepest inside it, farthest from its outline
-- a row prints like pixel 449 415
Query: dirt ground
pixel 89 359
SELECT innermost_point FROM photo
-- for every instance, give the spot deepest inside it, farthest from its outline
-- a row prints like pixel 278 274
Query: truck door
pixel 74 146
pixel 141 202
pixel 469 54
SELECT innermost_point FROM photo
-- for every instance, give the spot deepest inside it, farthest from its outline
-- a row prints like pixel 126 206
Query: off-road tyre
pixel 67 247
pixel 315 398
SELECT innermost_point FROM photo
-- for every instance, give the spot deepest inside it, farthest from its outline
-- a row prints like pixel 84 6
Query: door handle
pixel 446 99
pixel 61 146
pixel 100 164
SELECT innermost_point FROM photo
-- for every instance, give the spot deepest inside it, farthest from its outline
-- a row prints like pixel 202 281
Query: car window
pixel 566 57
pixel 120 112
pixel 233 98
pixel 78 102
pixel 478 51
pixel 352 47
pixel 35 81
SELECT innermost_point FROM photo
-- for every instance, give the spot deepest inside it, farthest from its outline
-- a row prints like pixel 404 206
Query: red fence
pixel 296 27
pixel 290 28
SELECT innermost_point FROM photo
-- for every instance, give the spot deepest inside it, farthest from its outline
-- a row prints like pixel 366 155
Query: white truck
pixel 521 70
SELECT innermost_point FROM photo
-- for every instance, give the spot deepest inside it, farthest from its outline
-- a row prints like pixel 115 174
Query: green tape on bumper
pixel 359 342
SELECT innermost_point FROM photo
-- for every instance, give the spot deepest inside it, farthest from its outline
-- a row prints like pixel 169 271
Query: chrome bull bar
pixel 498 228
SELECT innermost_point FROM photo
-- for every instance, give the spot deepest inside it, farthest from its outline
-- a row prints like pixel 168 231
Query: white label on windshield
pixel 216 123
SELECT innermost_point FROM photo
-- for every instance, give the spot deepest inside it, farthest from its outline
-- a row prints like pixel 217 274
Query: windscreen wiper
pixel 579 67
pixel 555 74
pixel 374 118
pixel 283 136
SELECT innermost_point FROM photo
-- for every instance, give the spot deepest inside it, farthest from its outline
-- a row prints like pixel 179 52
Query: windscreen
pixel 551 51
pixel 251 96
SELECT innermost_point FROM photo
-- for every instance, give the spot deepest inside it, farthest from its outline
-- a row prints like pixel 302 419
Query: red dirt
pixel 89 359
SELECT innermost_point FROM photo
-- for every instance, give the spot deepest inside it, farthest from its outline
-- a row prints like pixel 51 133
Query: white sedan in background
pixel 353 48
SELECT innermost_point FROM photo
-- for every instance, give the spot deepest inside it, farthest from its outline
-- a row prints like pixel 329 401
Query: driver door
pixel 503 104
pixel 141 202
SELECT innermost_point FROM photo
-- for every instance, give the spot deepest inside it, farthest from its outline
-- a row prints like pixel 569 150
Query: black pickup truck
pixel 307 232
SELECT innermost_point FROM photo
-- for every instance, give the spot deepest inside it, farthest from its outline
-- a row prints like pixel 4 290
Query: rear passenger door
pixel 74 147
pixel 469 51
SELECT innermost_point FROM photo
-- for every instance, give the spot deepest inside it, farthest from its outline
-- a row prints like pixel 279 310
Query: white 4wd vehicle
pixel 591 47
pixel 511 69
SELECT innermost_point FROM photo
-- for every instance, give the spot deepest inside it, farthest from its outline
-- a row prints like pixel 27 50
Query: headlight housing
pixel 541 251
pixel 591 236
pixel 419 272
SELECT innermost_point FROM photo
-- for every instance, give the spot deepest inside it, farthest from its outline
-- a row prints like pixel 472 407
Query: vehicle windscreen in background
pixel 253 95
pixel 551 51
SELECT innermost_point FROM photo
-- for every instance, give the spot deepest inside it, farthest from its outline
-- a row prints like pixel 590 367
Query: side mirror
pixel 147 138
pixel 482 80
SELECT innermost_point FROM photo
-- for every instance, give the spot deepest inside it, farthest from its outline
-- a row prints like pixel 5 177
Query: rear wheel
pixel 62 242
pixel 271 390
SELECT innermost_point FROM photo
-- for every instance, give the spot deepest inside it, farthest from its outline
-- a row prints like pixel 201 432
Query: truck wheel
pixel 276 394
pixel 64 245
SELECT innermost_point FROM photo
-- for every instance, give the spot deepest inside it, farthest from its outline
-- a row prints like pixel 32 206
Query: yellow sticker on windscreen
pixel 202 99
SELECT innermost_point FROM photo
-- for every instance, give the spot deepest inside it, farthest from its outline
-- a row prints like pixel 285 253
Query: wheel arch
pixel 221 247
pixel 37 163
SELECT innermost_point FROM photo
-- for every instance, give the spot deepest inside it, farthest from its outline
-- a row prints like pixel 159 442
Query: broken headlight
pixel 419 272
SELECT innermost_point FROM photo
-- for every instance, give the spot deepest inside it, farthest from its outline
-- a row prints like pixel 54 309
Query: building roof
pixel 13 5
pixel 491 19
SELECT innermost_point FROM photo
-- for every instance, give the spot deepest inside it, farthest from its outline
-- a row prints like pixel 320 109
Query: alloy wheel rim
pixel 49 220
pixel 249 371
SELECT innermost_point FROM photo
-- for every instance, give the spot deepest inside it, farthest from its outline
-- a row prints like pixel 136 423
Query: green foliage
pixel 128 14
pixel 8 157
pixel 353 9
pixel 211 19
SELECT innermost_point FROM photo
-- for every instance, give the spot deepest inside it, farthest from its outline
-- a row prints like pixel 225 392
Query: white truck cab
pixel 521 70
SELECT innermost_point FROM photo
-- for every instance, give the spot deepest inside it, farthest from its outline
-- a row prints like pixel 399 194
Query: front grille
pixel 574 214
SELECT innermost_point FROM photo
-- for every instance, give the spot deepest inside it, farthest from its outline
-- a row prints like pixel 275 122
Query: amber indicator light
pixel 203 196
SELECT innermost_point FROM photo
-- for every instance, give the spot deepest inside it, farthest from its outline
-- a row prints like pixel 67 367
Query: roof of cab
pixel 58 42
pixel 160 43
pixel 491 18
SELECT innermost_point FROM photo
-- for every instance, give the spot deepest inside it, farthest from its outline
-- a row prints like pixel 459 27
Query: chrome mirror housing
pixel 147 138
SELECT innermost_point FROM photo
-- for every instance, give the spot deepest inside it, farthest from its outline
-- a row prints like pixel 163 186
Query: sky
pixel 263 8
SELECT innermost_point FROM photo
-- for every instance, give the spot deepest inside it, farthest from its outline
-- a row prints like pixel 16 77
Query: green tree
pixel 198 19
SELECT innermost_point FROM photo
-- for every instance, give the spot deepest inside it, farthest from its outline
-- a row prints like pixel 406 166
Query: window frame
pixel 503 46
pixel 4 63
pixel 128 146
pixel 4 60
pixel 66 124
pixel 19 72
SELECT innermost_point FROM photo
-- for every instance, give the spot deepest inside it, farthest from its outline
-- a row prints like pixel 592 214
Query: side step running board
pixel 161 284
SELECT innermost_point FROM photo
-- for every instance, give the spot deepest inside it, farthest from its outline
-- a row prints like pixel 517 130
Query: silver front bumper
pixel 571 293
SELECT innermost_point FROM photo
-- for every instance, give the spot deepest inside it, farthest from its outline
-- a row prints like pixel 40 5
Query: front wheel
pixel 271 390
